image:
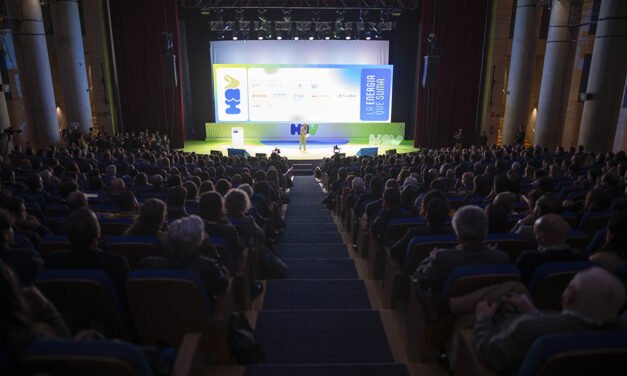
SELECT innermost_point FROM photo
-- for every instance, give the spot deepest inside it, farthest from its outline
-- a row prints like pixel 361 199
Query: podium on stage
pixel 237 137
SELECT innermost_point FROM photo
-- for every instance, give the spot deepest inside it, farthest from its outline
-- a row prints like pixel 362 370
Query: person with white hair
pixel 185 237
pixel 471 228
pixel 591 302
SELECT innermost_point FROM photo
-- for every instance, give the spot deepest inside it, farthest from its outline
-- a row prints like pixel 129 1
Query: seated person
pixel 176 203
pixel 83 231
pixel 151 220
pixel 614 251
pixel 549 203
pixel 77 200
pixel 471 228
pixel 185 236
pixel 391 210
pixel 591 302
pixel 26 316
pixel 216 224
pixel 551 232
pixel 26 263
pixel 23 222
pixel 437 218
pixel 237 205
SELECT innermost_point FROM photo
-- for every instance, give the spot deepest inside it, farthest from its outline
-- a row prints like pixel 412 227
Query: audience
pixel 151 220
pixel 83 231
pixel 591 302
pixel 26 263
pixel 551 232
pixel 471 228
pixel 185 237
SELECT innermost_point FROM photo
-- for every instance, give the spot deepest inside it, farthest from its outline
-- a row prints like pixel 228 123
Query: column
pixel 526 34
pixel 606 79
pixel 5 122
pixel 68 39
pixel 42 127
pixel 556 76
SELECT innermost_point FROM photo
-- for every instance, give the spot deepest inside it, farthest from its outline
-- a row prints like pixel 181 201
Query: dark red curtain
pixel 146 100
pixel 459 26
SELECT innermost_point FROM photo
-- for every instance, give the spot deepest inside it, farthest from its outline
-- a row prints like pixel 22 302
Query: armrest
pixel 391 280
pixel 468 362
pixel 188 357
pixel 224 304
pixel 242 265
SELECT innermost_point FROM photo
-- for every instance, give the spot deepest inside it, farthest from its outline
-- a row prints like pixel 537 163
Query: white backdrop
pixel 300 52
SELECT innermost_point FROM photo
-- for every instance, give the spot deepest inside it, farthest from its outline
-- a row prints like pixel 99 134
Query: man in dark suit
pixel 83 231
pixel 551 231
pixel 471 228
pixel 591 302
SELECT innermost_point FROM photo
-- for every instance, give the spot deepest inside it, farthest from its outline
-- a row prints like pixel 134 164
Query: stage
pixel 316 150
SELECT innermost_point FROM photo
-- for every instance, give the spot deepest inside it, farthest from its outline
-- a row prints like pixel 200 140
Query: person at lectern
pixel 303 136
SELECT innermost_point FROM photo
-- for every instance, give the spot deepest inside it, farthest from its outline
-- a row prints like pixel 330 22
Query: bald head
pixel 595 294
pixel 117 186
pixel 76 200
pixel 550 230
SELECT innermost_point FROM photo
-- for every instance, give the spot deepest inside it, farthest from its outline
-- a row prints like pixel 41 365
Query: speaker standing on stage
pixel 303 136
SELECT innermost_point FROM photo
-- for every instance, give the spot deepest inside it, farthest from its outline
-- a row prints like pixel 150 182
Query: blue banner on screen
pixel 302 93
pixel 375 94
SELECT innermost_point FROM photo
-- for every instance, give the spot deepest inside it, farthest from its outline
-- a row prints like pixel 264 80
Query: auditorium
pixel 313 187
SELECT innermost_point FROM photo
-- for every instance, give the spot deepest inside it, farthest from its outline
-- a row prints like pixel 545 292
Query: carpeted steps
pixel 319 321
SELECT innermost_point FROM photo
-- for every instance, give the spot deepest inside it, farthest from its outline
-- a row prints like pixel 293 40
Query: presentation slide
pixel 302 93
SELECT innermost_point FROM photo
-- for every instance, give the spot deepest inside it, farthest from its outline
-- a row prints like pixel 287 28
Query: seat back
pixel 577 239
pixel 511 244
pixel 53 243
pixel 134 248
pixel 397 227
pixel 85 297
pixel 465 279
pixel 94 358
pixel 420 247
pixel 588 353
pixel 114 226
pixel 591 222
pixel 549 281
pixel 167 304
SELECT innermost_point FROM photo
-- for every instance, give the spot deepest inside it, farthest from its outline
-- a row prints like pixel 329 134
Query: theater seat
pixel 565 354
pixel 86 299
pixel 53 243
pixel 134 248
pixel 104 358
pixel 591 353
pixel 427 335
pixel 396 276
pixel 167 304
pixel 549 281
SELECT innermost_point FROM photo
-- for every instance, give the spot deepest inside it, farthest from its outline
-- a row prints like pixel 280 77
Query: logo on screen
pixel 311 129
pixel 232 95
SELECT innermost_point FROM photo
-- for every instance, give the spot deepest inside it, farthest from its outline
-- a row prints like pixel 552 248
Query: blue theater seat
pixel 85 297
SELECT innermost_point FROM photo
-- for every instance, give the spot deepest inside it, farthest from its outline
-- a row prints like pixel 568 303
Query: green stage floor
pixel 313 152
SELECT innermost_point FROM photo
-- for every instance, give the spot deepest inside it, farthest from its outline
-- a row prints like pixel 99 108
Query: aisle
pixel 319 321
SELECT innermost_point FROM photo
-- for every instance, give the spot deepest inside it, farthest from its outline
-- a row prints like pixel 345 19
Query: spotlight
pixel 368 37
pixel 327 37
pixel 234 37
pixel 311 37
pixel 279 37
pixel 348 37
pixel 260 37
